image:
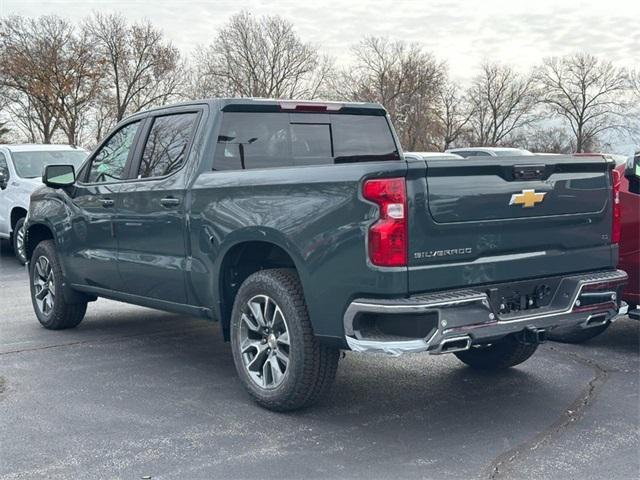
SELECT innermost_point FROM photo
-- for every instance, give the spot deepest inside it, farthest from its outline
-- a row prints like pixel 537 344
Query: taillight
pixel 616 229
pixel 388 236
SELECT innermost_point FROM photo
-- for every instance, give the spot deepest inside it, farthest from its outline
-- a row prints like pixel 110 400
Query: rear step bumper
pixel 462 318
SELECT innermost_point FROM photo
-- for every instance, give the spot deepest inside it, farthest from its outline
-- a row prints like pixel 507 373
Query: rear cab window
pixel 249 140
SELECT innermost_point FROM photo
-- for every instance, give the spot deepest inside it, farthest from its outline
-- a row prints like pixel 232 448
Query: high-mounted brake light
pixel 310 107
pixel 616 228
pixel 388 237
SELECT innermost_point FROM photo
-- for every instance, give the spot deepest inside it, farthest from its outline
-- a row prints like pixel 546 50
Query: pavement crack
pixel 502 464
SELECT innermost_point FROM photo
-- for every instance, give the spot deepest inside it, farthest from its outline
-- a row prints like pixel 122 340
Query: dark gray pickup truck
pixel 302 228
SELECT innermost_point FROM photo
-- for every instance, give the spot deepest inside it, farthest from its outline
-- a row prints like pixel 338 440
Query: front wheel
pixel 278 359
pixel 504 353
pixel 47 296
pixel 18 242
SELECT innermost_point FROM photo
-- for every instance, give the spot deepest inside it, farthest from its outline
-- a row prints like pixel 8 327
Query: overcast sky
pixel 461 32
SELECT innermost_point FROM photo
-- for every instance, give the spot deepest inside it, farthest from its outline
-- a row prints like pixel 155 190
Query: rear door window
pixel 265 140
pixel 166 149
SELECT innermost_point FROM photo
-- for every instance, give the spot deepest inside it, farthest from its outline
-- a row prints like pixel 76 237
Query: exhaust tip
pixel 455 344
pixel 596 320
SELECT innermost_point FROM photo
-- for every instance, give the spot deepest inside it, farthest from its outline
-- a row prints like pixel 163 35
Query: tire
pixel 54 313
pixel 18 241
pixel 577 335
pixel 504 353
pixel 259 347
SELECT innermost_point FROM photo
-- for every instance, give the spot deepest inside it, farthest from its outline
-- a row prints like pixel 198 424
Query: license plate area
pixel 516 297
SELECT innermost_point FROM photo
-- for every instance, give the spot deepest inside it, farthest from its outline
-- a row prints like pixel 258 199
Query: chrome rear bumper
pixel 466 317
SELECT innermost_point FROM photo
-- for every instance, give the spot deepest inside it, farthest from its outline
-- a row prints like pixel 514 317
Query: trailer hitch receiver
pixel 533 336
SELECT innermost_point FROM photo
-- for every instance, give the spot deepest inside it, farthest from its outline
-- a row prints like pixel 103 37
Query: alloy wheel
pixel 264 342
pixel 44 285
pixel 20 244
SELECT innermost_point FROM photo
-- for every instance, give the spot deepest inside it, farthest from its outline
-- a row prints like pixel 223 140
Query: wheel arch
pixel 36 233
pixel 17 213
pixel 243 258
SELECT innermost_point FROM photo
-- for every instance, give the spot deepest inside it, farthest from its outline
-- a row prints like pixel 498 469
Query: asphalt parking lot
pixel 135 393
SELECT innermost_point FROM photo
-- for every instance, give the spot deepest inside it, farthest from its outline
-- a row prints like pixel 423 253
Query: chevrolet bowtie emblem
pixel 528 198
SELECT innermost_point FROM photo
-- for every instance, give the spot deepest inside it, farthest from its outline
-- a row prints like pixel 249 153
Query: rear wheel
pixel 278 359
pixel 47 295
pixel 504 353
pixel 18 241
pixel 577 335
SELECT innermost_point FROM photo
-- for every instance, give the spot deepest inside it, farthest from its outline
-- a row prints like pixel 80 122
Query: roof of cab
pixel 271 104
pixel 484 149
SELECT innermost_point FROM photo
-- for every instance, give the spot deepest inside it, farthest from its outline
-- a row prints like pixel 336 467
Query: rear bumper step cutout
pixel 466 317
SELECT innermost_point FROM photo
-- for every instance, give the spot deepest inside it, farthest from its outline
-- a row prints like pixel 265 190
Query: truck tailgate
pixel 498 219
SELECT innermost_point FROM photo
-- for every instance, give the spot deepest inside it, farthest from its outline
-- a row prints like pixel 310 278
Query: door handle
pixel 169 202
pixel 107 202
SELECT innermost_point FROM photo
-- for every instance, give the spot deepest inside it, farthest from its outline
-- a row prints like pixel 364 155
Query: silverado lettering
pixel 443 253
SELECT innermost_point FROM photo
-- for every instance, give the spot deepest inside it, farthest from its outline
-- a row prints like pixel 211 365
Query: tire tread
pixel 320 361
pixel 65 315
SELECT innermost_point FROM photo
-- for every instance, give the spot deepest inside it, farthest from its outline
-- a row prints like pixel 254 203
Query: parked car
pixel 21 168
pixel 489 152
pixel 304 230
pixel 629 200
pixel 432 155
pixel 618 159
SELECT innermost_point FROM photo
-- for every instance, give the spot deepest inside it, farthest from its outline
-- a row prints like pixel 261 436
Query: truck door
pixel 92 253
pixel 151 211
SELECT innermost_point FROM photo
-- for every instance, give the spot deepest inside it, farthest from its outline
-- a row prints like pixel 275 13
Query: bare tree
pixel 502 102
pixel 588 93
pixel 259 57
pixel 543 139
pixel 27 55
pixel 402 77
pixel 141 68
pixel 634 83
pixel 75 75
pixel 454 113
pixel 4 103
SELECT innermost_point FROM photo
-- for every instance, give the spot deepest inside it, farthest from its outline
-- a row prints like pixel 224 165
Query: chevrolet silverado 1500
pixel 302 228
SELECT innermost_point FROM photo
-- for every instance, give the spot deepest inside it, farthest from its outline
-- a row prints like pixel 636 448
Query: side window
pixel 482 154
pixel 4 168
pixel 253 140
pixel 166 148
pixel 108 164
pixel 4 171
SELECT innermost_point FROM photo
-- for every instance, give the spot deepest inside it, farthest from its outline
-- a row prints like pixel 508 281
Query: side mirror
pixel 632 173
pixel 59 176
pixel 3 180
